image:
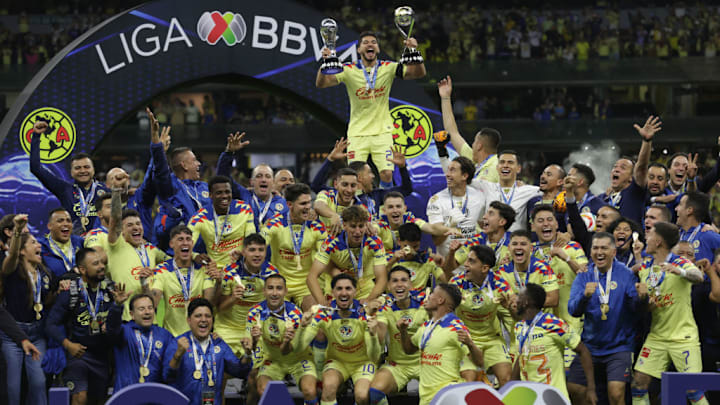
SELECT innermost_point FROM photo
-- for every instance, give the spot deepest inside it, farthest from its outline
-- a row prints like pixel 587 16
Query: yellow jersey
pixel 223 233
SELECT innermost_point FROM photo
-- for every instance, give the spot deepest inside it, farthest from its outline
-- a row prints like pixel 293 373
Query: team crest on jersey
pixel 158 344
pixel 653 277
pixel 205 194
pixel 613 285
pixel 216 349
pixel 413 274
pixel 346 331
pixel 434 198
pixel 696 244
pixel 478 299
pixel 249 288
pixel 407 317
pixel 273 329
pixel 278 207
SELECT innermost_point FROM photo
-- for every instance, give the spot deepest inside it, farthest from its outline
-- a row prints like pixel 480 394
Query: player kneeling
pixel 272 324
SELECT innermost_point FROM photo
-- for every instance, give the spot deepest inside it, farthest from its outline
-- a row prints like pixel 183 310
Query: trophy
pixel 328 31
pixel 405 20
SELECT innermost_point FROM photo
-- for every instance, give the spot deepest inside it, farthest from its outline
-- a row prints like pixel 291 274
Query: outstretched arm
pixel 413 71
pixel 445 90
pixel 56 185
pixel 652 126
pixel 322 80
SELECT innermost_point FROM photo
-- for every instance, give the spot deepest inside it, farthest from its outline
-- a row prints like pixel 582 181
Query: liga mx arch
pixel 121 64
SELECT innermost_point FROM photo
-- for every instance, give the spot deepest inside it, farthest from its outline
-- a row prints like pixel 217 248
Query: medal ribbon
pixel 527 275
pixel 198 360
pixel 92 309
pixel 507 200
pixel 85 203
pixel 369 83
pixel 194 197
pixel 465 201
pixel 604 292
pixel 427 334
pixel 143 255
pixel 656 281
pixel 297 237
pixel 357 262
pixel 690 236
pixel 522 338
pixel 481 164
pixel 68 260
pixel 262 212
pixel 37 293
pixel 185 282
pixel 218 235
pixel 141 340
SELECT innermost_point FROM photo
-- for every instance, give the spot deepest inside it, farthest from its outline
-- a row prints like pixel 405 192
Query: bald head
pixel 283 178
pixel 117 177
pixel 262 181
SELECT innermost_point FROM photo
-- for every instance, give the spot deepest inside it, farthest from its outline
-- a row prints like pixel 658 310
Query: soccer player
pixel 628 179
pixel 605 295
pixel 395 214
pixel 581 195
pixel 666 281
pixel 329 204
pixel 199 360
pixel 353 346
pixel 294 239
pixel 495 223
pixel 83 308
pixel 542 338
pixel 485 145
pixel 60 245
pixel 691 212
pixel 139 346
pixel 424 271
pixel 97 237
pixel 241 290
pixel 264 203
pixel 78 197
pixel 399 368
pixel 481 289
pixel 551 183
pixel 443 341
pixel 507 188
pixel 142 200
pixel 131 260
pixel 272 325
pixel 177 281
pixel 656 213
pixel 354 252
pixel 222 224
pixel 525 268
pixel 368 84
pixel 457 206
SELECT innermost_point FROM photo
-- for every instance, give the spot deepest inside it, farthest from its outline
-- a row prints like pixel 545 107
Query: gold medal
pixel 604 308
pixel 144 371
pixel 197 374
pixel 211 383
pixel 95 324
pixel 38 316
pixel 38 307
pixel 141 380
pixel 85 221
pixel 298 263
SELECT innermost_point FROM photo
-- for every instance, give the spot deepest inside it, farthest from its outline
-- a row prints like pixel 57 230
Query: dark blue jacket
pixel 54 262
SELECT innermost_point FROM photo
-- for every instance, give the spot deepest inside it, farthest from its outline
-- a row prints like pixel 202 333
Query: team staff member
pixel 78 197
pixel 83 308
pixel 399 368
pixel 551 184
pixel 199 361
pixel 60 244
pixel 482 290
pixel 352 252
pixel 368 85
pixel 666 281
pixel 222 224
pixel 178 281
pixel 25 291
pixel 272 325
pixel 131 259
pixel 353 346
pixel 605 295
pixel 264 203
pixel 443 341
pixel 691 211
pixel 139 346
pixel 542 339
pixel 294 240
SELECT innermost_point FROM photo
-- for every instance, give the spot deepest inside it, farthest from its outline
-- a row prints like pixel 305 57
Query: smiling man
pixel 551 184
pixel 368 84
pixel 59 245
pixel 330 203
pixel 222 224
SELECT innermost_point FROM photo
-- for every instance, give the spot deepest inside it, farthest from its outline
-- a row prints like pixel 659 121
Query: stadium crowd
pixel 330 282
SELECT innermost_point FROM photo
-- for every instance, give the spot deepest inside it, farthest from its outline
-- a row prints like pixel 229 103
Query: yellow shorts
pixel 356 371
pixel 277 371
pixel 296 294
pixel 494 352
pixel 379 147
pixel 402 374
pixel 655 358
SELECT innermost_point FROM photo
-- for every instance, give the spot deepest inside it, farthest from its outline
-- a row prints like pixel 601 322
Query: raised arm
pixel 445 90
pixel 235 143
pixel 161 168
pixel 706 182
pixel 115 216
pixel 413 71
pixel 322 80
pixel 12 259
pixel 647 132
pixel 319 182
pixel 55 184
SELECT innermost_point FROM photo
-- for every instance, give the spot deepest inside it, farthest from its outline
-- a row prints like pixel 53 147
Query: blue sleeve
pixel 578 301
pixel 148 188
pixel 114 323
pixel 319 182
pixel 706 182
pixel 405 187
pixel 161 172
pixel 54 326
pixel 56 185
pixel 224 167
pixel 169 373
pixel 579 229
pixel 631 292
pixel 233 365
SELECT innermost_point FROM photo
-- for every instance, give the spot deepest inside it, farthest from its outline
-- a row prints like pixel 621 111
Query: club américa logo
pixel 57 142
pixel 214 25
pixel 412 129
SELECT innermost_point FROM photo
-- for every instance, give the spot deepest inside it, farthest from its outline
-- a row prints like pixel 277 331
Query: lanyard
pixel 261 212
pixel 604 292
pixel 465 201
pixel 69 259
pixel 85 203
pixel 429 331
pixel 498 246
pixel 614 199
pixel 200 360
pixel 369 204
pixel 507 200
pixel 218 235
pixel 522 338
pixel 654 281
pixel 37 294
pixel 143 255
pixel 692 235
pixel 194 197
pixel 584 200
pixel 539 249
pixel 357 262
pixel 297 237
pixel 369 83
pixel 485 283
pixel 185 282
pixel 144 359
pixel 92 308
pixel 481 164
pixel 527 275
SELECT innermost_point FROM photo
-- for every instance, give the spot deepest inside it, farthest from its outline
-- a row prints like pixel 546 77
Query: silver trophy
pixel 328 31
pixel 404 21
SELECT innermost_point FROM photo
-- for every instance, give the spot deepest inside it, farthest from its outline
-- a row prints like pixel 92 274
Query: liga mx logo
pixel 229 26
pixel 57 142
